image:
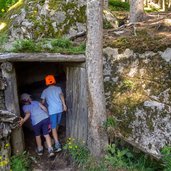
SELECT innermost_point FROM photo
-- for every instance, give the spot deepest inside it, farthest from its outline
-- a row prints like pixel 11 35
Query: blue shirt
pixel 36 113
pixel 53 99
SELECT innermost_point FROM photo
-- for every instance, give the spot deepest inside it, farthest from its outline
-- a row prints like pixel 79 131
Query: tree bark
pixel 12 105
pixel 164 5
pixel 136 10
pixel 97 137
pixel 106 4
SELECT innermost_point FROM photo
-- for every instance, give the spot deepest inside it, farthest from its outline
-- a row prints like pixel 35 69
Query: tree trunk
pixel 97 137
pixel 164 5
pixel 136 10
pixel 169 5
pixel 12 105
pixel 106 4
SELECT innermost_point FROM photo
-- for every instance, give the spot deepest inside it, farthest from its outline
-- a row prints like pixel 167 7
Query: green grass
pixel 117 5
pixel 60 45
pixel 26 45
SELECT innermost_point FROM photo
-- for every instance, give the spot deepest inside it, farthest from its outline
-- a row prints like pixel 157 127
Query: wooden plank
pixel 11 103
pixel 77 114
pixel 41 57
pixel 83 106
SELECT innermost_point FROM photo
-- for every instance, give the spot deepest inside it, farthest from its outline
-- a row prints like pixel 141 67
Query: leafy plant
pixel 166 158
pixel 78 151
pixel 117 5
pixel 20 162
pixel 119 158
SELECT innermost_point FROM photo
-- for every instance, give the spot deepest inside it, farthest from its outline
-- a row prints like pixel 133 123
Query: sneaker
pixel 39 152
pixel 57 148
pixel 51 154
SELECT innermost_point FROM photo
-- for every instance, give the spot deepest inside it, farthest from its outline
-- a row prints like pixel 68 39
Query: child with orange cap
pixel 40 120
pixel 56 105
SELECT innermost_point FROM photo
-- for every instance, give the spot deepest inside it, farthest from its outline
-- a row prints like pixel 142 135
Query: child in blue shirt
pixel 40 121
pixel 56 105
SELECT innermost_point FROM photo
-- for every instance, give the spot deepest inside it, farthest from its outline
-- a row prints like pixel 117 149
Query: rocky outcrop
pixel 37 19
pixel 138 94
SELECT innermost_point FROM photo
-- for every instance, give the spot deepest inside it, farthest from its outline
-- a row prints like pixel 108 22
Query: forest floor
pixel 152 34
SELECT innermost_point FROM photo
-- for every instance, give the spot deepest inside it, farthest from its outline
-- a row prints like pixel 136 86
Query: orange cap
pixel 50 79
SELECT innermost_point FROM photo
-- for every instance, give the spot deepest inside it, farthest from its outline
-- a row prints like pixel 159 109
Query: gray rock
pixel 166 55
pixel 137 88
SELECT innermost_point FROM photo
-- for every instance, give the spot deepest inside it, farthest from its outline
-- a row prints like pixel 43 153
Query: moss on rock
pixel 37 19
pixel 138 95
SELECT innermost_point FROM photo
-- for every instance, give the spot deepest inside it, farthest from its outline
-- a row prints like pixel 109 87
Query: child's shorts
pixel 55 120
pixel 41 127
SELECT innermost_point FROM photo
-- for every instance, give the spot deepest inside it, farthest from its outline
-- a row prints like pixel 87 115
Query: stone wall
pixel 138 94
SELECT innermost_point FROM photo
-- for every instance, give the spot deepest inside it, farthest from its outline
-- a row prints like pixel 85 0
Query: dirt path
pixel 42 163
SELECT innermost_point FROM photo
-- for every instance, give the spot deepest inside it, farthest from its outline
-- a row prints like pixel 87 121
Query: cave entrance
pixel 30 79
pixel 26 72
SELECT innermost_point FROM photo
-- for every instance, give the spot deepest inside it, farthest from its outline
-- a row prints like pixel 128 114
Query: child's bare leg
pixel 55 134
pixel 48 141
pixel 39 142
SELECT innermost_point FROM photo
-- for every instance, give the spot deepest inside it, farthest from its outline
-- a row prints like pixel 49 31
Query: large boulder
pixel 36 19
pixel 138 95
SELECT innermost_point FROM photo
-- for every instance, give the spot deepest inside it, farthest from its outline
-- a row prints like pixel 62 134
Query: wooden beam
pixel 41 57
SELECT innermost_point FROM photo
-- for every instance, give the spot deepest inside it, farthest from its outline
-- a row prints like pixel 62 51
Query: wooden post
pixel 12 105
pixel 97 137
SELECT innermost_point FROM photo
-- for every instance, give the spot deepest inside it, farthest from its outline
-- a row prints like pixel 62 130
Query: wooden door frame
pixel 8 59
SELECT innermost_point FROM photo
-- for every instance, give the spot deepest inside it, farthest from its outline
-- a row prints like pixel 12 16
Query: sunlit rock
pixel 138 95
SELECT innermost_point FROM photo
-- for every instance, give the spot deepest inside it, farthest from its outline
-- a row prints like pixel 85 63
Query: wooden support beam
pixel 40 57
pixel 12 105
